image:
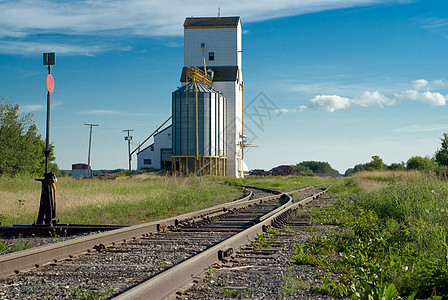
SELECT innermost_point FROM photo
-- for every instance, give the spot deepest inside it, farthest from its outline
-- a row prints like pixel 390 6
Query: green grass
pixel 134 200
pixel 265 240
pixel 394 239
pixel 292 283
pixel 91 294
pixel 125 200
pixel 233 292
pixel 286 182
pixel 18 245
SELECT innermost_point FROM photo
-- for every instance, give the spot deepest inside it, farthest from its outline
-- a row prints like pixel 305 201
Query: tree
pixel 349 172
pixel 21 147
pixel 397 166
pixel 376 164
pixel 441 156
pixel 360 168
pixel 357 168
pixel 304 170
pixel 317 168
pixel 420 163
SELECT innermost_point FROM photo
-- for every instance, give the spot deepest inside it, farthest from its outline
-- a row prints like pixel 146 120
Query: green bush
pixel 420 163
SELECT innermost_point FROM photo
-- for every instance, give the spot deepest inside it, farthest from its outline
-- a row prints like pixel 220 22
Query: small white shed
pixel 158 154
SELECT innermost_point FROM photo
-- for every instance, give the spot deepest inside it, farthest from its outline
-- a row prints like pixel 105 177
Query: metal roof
pixel 211 22
pixel 160 131
pixel 144 149
pixel 202 88
pixel 229 73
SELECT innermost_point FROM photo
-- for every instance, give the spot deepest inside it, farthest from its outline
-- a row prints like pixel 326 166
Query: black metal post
pixel 47 142
pixel 47 208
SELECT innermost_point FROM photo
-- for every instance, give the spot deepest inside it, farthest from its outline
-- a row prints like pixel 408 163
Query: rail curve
pixel 167 281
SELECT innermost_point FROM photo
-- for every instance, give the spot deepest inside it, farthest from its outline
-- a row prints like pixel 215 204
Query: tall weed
pixel 393 242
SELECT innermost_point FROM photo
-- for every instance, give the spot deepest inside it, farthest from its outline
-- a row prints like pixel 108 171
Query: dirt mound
pixel 283 170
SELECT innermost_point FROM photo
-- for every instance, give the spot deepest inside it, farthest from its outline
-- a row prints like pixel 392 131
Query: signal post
pixel 47 208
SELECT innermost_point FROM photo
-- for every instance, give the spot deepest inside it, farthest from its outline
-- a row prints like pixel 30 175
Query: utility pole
pixel 90 145
pixel 129 138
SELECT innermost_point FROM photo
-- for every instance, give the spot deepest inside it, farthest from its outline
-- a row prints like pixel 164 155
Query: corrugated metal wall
pixel 211 122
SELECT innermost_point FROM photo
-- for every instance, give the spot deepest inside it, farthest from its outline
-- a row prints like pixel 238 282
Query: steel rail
pixel 35 257
pixel 268 215
pixel 166 283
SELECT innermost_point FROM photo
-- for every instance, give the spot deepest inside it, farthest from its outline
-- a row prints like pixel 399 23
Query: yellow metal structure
pixel 189 164
pixel 198 164
pixel 242 108
pixel 155 132
pixel 195 74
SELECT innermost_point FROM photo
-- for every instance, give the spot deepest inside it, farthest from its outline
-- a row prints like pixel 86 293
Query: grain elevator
pixel 208 108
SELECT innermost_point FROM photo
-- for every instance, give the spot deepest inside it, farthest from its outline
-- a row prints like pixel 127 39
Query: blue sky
pixel 342 80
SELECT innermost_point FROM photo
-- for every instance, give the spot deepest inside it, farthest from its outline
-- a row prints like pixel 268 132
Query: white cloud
pixel 434 22
pixel 440 83
pixel 421 128
pixel 175 45
pixel 420 84
pixel 335 84
pixel 109 112
pixel 149 17
pixel 95 18
pixel 431 98
pixel 100 112
pixel 302 107
pixel 25 48
pixel 28 108
pixel 9 33
pixel 31 108
pixel 329 103
pixel 144 114
pixel 284 110
pixel 332 103
pixel 369 98
pixel 435 25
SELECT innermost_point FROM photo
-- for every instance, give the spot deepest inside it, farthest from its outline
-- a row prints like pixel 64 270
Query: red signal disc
pixel 50 83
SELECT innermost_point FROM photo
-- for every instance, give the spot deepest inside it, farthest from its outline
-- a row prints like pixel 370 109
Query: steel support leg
pixel 47 209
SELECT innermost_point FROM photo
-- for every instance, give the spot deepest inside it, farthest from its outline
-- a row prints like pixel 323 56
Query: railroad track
pixel 147 261
pixel 264 269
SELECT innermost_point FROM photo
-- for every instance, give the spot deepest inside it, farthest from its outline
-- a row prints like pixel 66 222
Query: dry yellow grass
pixel 19 200
pixel 373 181
pixel 70 193
pixel 20 197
